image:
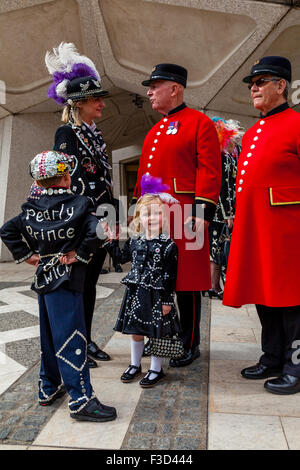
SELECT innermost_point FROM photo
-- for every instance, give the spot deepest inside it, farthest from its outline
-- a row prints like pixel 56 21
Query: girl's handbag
pixel 164 347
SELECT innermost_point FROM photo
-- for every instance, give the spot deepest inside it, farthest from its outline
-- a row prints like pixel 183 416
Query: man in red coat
pixel 183 150
pixel 265 249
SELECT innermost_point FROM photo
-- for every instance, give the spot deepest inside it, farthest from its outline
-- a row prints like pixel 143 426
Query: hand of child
pixel 166 309
pixel 33 260
pixel 68 258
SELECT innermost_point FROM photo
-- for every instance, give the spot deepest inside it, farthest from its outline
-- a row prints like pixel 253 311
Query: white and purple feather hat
pixel 154 185
pixel 75 76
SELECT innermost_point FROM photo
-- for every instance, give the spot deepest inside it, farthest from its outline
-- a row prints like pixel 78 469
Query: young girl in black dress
pixel 148 307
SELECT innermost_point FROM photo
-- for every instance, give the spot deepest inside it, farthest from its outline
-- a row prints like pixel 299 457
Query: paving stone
pixel 190 415
pixel 188 429
pixel 145 428
pixel 162 443
pixel 25 434
pixel 6 405
pixel 18 319
pixel 140 442
pixel 186 443
pixel 4 432
pixel 32 420
pixel 170 429
pixel 13 420
pixel 23 408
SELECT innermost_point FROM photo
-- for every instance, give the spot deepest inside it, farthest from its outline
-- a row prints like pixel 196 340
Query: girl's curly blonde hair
pixel 135 226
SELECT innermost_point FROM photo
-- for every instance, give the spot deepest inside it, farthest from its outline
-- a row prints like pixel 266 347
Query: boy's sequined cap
pixel 49 164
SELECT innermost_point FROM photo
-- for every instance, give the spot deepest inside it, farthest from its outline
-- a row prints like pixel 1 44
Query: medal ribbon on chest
pixel 173 127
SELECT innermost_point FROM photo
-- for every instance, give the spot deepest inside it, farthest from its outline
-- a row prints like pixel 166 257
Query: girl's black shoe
pixel 147 383
pixel 127 376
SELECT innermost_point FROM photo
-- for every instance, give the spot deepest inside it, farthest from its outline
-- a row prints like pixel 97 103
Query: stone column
pixel 22 136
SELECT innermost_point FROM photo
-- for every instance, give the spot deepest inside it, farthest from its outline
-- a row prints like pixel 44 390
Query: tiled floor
pixel 242 414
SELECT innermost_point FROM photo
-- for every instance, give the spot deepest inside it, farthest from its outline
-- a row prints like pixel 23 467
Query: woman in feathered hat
pixel 229 134
pixel 77 86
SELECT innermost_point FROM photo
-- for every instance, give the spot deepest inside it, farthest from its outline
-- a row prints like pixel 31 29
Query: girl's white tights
pixel 137 348
pixel 155 365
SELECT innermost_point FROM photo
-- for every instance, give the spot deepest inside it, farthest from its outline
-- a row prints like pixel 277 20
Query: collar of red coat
pixel 178 108
pixel 278 109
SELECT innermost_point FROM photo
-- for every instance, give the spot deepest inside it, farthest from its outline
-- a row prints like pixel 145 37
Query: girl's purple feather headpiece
pixel 154 185
pixel 65 64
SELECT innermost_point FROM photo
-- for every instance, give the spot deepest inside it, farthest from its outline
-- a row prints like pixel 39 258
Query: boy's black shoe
pixel 60 393
pixel 95 411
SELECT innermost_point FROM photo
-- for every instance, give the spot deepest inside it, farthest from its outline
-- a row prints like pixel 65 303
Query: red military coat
pixel 189 162
pixel 263 266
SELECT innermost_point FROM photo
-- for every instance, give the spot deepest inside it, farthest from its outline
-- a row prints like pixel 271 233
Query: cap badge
pixel 256 62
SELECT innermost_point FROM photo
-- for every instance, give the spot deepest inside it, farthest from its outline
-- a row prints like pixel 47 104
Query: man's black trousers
pixel 280 338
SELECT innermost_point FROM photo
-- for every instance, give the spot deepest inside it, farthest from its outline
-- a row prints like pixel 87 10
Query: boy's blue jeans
pixel 63 347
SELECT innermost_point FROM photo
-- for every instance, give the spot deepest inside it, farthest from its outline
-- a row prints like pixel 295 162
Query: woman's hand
pixel 33 260
pixel 166 309
pixel 68 258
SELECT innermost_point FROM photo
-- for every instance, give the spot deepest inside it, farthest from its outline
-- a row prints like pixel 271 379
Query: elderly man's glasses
pixel 262 81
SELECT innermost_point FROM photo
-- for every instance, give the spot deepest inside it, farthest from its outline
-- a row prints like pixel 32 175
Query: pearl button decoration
pixel 150 157
pixel 240 189
pixel 158 133
pixel 78 352
pixel 249 154
pixel 252 146
pixel 258 131
pixel 241 181
pixel 149 164
pixel 245 163
pixel 243 172
pixel 255 138
pixel 153 149
pixel 262 122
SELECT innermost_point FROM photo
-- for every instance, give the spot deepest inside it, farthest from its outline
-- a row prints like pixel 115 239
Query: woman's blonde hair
pixel 136 227
pixel 71 113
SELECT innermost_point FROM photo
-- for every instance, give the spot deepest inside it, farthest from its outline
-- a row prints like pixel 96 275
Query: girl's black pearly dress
pixel 149 284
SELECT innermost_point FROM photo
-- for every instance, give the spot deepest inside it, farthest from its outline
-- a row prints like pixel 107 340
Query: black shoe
pixel 127 377
pixel 260 371
pixel 118 269
pixel 91 363
pixel 147 383
pixel 188 357
pixel 60 393
pixel 104 271
pixel 95 411
pixel 284 385
pixel 94 351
